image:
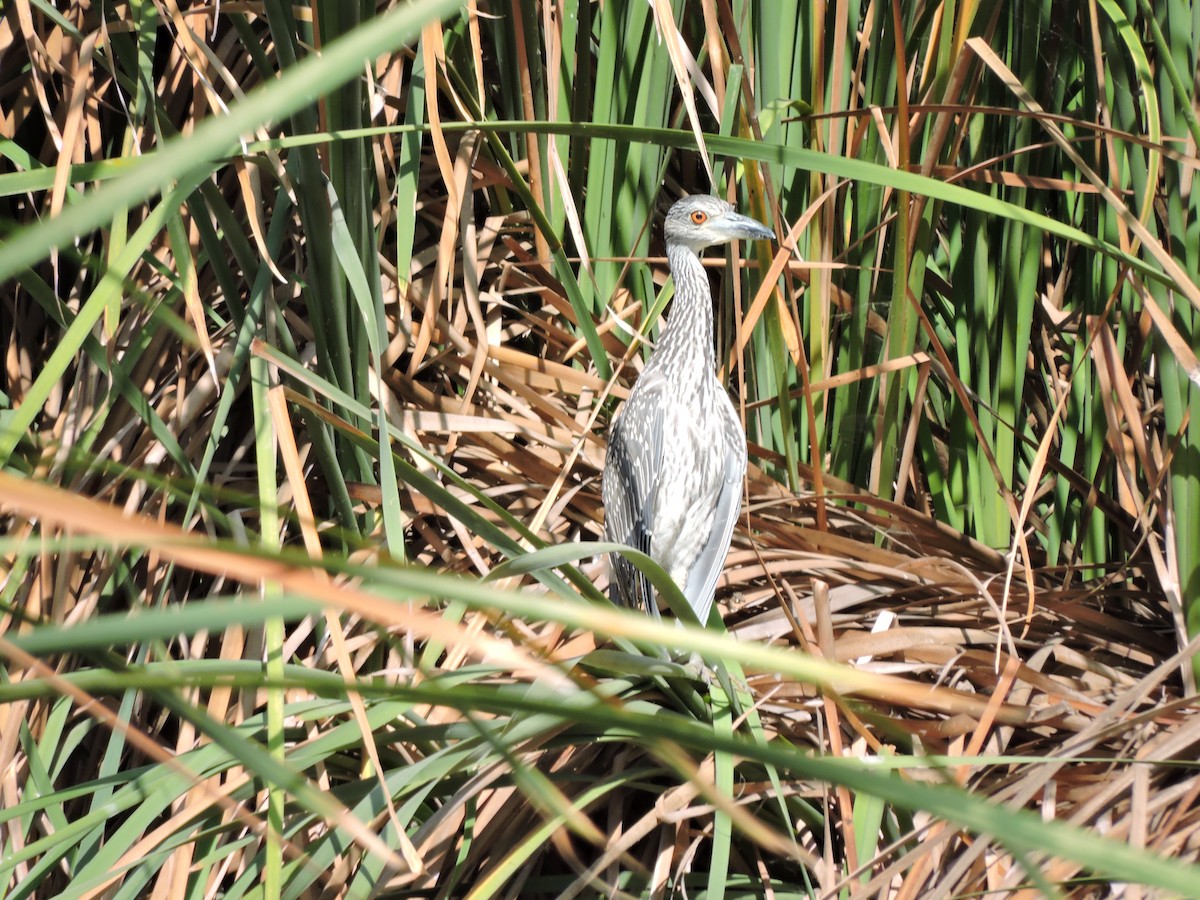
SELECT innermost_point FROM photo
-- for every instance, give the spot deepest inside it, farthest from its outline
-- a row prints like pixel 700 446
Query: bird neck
pixel 687 338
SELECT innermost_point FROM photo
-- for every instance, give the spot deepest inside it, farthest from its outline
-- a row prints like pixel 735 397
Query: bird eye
pixel 699 217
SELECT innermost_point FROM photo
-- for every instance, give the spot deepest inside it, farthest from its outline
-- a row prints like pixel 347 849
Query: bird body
pixel 677 452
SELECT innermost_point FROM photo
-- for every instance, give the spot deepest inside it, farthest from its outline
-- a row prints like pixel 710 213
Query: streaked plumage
pixel 677 452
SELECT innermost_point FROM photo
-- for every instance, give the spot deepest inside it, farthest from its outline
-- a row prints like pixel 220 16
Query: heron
pixel 672 481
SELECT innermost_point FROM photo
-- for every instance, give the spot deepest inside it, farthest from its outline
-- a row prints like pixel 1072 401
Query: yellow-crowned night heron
pixel 677 452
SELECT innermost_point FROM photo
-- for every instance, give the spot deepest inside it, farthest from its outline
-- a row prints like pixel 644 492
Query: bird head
pixel 703 221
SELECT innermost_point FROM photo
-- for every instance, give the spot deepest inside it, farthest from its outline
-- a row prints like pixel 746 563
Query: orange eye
pixel 699 217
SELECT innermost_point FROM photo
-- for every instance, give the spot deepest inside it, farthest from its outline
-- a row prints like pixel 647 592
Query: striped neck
pixel 686 343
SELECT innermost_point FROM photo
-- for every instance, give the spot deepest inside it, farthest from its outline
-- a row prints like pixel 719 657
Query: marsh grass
pixel 308 362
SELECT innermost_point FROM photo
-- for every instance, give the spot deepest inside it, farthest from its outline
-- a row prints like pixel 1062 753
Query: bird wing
pixel 635 448
pixel 702 577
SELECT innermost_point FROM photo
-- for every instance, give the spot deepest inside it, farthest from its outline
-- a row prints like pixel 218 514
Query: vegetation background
pixel 313 319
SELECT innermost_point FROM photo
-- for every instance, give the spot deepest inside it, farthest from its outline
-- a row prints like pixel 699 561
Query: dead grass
pixel 1045 688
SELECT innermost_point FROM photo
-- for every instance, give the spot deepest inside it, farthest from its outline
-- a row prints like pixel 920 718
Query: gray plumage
pixel 677 452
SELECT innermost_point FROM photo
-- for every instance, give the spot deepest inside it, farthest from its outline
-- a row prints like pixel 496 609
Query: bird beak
pixel 739 226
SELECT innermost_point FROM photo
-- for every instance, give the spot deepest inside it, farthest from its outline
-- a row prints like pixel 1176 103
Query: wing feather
pixel 635 448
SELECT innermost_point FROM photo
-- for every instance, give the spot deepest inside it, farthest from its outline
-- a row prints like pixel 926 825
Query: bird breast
pixel 691 477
